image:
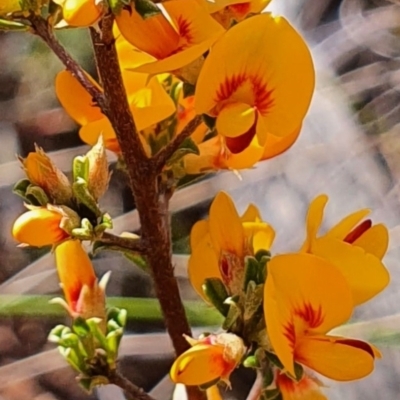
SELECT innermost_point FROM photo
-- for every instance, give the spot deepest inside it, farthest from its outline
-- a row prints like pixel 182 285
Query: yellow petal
pixel 261 235
pixel 304 294
pixel 364 273
pixel 76 101
pixel 342 228
pixel 277 145
pixel 337 358
pixel 151 105
pixel 199 365
pixel 374 241
pixel 154 35
pixel 235 119
pixel 314 219
pixel 39 227
pixel 273 73
pixel 81 12
pixel 252 214
pixel 203 264
pixel 75 270
pixel 226 230
pixel 245 158
pixel 198 232
pixel 90 132
pixel 9 6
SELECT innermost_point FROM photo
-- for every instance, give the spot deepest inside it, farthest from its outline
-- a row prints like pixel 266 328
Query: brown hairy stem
pixel 135 245
pixel 132 391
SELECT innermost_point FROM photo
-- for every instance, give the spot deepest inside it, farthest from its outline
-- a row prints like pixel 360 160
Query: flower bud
pixel 99 175
pixel 208 360
pixel 39 227
pixel 85 297
pixel 81 13
pixel 42 172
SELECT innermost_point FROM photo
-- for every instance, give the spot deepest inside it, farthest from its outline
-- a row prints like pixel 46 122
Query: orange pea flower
pixel 354 245
pixel 305 297
pixel 252 86
pixel 39 227
pixel 208 360
pixel 84 296
pixel 178 36
pixel 220 244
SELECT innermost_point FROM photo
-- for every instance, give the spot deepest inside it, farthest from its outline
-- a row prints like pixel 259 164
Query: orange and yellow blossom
pixel 257 82
pixel 84 296
pixel 81 13
pixel 354 245
pixel 209 359
pixel 305 297
pixel 178 36
pixel 220 244
pixel 39 227
pixel 308 388
pixel 149 104
pixel 214 155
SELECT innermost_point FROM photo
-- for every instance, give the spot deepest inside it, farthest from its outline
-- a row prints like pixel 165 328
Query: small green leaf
pixel 253 300
pixel 21 187
pixel 273 358
pixel 38 193
pixel 80 327
pixel 117 5
pixel 216 292
pixel 233 317
pixel 272 394
pixel 298 372
pixel 253 272
pixel 261 253
pixel 187 147
pixel 251 362
pixel 146 8
pixel 83 195
pixel 12 26
pixel 80 168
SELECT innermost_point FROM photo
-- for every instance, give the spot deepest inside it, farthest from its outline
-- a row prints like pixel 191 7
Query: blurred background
pixel 349 148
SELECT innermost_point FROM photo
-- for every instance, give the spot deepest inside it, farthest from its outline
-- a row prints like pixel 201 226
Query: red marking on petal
pixel 239 143
pixel 290 334
pixel 224 267
pixel 313 317
pixel 240 10
pixel 358 344
pixel 358 231
pixel 262 96
pixel 184 29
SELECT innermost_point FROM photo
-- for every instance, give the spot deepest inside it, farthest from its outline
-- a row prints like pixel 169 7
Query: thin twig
pixel 42 28
pixel 127 243
pixel 256 389
pixel 161 158
pixel 144 182
pixel 132 391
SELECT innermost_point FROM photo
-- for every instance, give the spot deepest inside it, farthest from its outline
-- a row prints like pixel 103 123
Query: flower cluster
pixel 194 57
pixel 281 308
